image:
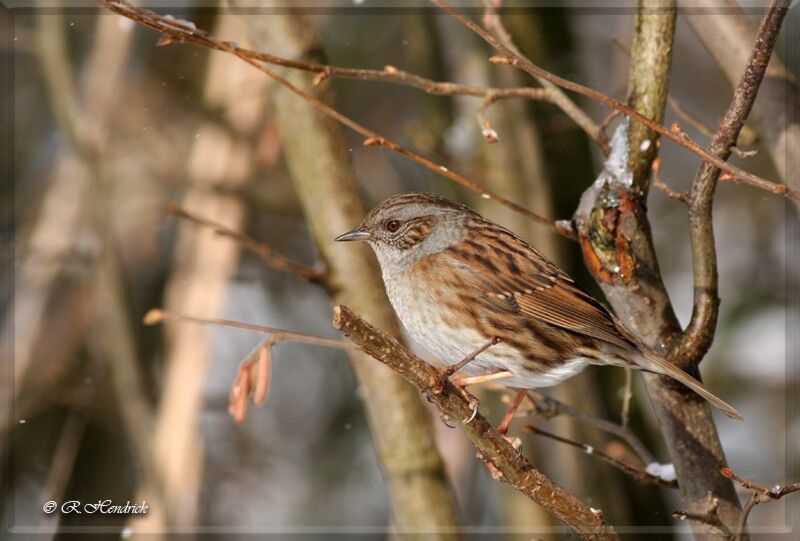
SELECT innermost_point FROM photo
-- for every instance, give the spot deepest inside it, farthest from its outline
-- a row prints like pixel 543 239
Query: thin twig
pixel 255 372
pixel 486 127
pixel 664 187
pixel 699 333
pixel 550 407
pixel 263 250
pixel 760 494
pixel 674 104
pixel 179 32
pixel 389 74
pixel 708 516
pixel 493 22
pixel 158 315
pixel 627 398
pixel 637 473
pixel 509 57
pixel 493 448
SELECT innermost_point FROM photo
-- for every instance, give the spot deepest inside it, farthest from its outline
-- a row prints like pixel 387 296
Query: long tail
pixel 654 363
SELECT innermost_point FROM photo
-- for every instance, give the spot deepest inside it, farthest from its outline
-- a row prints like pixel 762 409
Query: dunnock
pixel 461 284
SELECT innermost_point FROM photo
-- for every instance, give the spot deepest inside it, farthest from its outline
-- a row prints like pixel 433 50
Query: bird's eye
pixel 392 226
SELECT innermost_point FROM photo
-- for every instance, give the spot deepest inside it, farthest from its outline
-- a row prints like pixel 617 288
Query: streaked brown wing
pixel 512 275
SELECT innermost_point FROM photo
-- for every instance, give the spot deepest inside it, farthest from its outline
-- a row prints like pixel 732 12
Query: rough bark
pixel 494 448
pixel 324 178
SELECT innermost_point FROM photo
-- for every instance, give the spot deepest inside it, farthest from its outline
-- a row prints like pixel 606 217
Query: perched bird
pixel 461 284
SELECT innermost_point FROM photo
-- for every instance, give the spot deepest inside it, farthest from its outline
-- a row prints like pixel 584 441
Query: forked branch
pixel 697 338
pixel 759 494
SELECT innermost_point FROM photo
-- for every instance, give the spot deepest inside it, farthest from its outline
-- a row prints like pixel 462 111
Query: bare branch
pixel 760 494
pixel 263 250
pixel 709 516
pixel 548 407
pixel 180 32
pixel 255 372
pixel 666 188
pixel 486 128
pixel 726 33
pixel 746 137
pixel 494 448
pixel 493 22
pixel 157 315
pixel 617 243
pixel 508 56
pixel 698 335
pixel 637 473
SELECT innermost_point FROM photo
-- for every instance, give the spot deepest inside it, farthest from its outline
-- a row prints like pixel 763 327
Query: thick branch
pixel 699 334
pixel 618 248
pixel 493 447
pixel 508 56
pixel 651 53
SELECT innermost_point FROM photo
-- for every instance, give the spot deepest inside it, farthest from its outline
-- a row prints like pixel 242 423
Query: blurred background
pixel 107 129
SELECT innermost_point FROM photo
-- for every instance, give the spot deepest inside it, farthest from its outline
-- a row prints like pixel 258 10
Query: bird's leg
pixel 466 381
pixel 450 370
pixel 512 410
pixel 461 382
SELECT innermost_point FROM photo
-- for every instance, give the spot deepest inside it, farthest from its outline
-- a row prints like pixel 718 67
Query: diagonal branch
pixel 176 31
pixel 493 447
pixel 508 56
pixel 267 254
pixel 493 22
pixel 391 74
pixel 548 407
pixel 637 473
pixel 698 335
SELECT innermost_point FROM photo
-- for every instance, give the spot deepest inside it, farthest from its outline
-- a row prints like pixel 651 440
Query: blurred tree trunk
pixel 323 175
pixel 218 164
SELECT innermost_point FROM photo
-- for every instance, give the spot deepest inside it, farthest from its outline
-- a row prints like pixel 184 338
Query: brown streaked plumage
pixel 457 280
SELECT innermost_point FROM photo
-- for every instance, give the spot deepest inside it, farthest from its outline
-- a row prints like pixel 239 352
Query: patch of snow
pixel 664 471
pixel 615 170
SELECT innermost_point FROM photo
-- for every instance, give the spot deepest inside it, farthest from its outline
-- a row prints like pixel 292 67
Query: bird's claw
pixel 445 419
pixel 474 405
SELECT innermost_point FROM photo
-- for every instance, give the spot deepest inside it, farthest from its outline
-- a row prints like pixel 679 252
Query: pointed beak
pixel 359 233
